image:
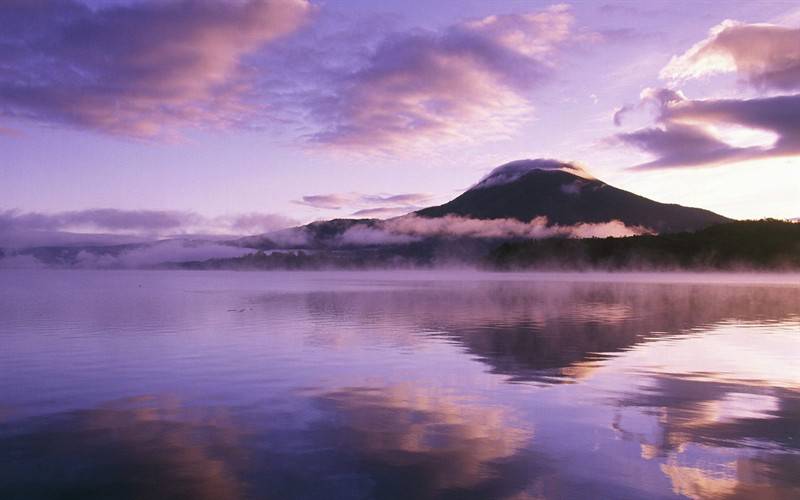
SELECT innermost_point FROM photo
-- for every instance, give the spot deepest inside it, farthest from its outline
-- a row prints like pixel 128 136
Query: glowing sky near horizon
pixel 296 110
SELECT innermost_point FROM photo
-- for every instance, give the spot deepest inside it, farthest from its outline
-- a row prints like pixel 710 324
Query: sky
pixel 241 117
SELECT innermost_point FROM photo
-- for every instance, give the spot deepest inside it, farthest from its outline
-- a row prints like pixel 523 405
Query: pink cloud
pixel 469 81
pixel 764 55
pixel 367 204
pixel 141 69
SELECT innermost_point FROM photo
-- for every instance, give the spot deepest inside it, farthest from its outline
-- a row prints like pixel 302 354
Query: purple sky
pixel 247 116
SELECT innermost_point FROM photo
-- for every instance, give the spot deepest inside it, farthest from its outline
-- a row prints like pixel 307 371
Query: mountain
pixel 566 195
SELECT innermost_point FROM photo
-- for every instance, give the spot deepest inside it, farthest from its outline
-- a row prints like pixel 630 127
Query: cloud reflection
pixel 395 442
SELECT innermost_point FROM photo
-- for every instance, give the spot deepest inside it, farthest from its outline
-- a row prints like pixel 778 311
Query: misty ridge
pixel 526 214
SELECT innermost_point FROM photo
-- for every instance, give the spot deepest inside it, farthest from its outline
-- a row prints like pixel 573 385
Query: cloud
pixel 512 171
pixel 138 69
pixel 255 223
pixel 711 132
pixel 380 212
pixel 464 82
pixel 412 228
pixel 155 69
pixel 10 132
pixel 688 132
pixel 764 55
pixel 20 262
pixel 333 201
pixel 103 219
pixel 113 226
pixel 367 204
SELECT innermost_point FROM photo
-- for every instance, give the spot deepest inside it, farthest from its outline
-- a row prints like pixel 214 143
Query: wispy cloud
pixel 367 205
pixel 383 212
pixel 109 225
pixel 137 69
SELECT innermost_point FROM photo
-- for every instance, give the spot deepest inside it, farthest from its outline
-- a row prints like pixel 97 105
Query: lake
pixel 406 385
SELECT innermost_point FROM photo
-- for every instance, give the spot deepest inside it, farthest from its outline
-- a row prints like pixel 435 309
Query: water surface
pixel 224 385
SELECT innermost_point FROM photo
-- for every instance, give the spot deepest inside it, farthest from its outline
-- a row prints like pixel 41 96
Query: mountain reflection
pixel 545 332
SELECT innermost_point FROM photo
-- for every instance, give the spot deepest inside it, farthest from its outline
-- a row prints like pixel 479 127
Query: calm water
pixel 387 385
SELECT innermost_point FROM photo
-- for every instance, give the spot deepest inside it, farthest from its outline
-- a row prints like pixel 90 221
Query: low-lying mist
pixel 414 228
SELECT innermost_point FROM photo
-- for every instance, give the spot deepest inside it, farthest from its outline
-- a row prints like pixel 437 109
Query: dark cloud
pixel 682 138
pixel 684 146
pixel 765 56
pixel 139 69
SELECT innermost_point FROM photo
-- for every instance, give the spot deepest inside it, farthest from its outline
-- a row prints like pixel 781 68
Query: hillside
pixel 742 245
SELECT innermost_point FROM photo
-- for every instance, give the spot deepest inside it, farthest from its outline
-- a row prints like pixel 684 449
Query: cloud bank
pixel 113 226
pixel 711 132
pixel 138 69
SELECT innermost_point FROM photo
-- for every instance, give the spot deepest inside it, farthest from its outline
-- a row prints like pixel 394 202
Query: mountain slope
pixel 566 195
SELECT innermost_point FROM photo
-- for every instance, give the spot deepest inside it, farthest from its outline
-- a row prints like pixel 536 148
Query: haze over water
pixel 385 385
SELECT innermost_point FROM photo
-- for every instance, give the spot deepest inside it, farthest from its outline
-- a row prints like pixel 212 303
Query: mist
pixel 410 228
pixel 136 256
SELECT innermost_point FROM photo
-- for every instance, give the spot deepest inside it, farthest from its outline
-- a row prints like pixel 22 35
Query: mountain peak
pixel 566 194
pixel 514 170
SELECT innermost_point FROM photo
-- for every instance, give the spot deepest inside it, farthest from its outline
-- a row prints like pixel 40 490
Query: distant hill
pixel 319 234
pixel 566 195
pixel 741 245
